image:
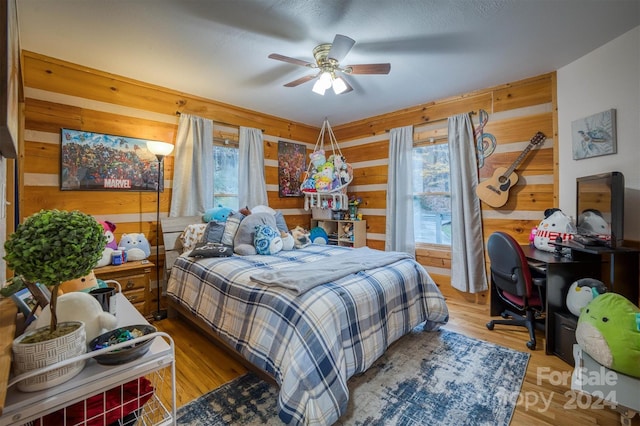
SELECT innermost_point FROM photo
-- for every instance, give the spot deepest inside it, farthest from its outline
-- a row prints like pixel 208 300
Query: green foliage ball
pixel 53 246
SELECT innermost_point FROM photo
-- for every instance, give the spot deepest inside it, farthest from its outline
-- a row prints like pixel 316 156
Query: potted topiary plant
pixel 51 247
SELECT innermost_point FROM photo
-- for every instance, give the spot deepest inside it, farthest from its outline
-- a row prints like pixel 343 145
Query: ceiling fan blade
pixel 301 80
pixel 340 47
pixel 294 61
pixel 368 69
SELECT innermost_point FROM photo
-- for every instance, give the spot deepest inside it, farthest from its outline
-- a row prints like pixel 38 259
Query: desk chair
pixel 514 284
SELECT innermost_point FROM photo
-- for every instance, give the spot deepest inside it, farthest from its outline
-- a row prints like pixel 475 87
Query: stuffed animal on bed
pixel 111 246
pixel 136 246
pixel 555 224
pixel 609 331
pixel 267 240
pixel 318 236
pixel 244 239
pixel 219 214
pixel 300 237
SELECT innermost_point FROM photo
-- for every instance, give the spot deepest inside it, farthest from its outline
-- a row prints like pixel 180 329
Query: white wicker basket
pixel 31 356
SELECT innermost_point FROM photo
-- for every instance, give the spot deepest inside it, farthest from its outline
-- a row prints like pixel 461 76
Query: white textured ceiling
pixel 217 49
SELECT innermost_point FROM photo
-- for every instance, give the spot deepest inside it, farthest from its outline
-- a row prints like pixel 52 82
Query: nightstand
pixel 135 279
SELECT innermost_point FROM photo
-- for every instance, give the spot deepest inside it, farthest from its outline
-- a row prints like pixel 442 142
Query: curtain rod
pixel 436 120
pixel 178 113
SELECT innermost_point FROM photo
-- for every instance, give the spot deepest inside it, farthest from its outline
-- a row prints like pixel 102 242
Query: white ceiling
pixel 217 49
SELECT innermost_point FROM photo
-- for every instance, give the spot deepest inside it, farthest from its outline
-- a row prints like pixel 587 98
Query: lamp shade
pixel 339 85
pixel 159 148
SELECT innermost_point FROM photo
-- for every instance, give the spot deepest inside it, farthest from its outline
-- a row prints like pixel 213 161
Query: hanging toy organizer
pixel 327 177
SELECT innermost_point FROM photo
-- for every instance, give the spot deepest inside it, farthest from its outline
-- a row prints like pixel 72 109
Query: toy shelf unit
pixel 347 233
pixel 139 392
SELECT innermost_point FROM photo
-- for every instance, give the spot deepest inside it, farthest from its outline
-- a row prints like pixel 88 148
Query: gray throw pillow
pixel 213 232
pixel 231 227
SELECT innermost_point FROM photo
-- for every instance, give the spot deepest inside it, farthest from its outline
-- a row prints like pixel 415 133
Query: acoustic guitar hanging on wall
pixel 495 190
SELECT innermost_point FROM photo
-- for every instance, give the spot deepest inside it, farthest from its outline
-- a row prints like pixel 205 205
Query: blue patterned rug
pixel 425 378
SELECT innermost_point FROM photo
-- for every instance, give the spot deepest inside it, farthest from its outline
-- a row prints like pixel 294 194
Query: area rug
pixel 425 378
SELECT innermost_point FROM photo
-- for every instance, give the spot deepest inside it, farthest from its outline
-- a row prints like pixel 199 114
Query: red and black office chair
pixel 513 282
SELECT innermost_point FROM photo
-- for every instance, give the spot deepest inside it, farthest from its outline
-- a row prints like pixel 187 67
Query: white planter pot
pixel 31 356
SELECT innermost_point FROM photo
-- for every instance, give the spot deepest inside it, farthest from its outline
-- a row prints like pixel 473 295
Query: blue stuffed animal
pixel 136 246
pixel 219 214
pixel 319 236
pixel 267 240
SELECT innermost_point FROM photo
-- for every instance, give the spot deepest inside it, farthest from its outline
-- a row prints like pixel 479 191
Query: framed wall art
pixel 292 163
pixel 95 161
pixel 594 135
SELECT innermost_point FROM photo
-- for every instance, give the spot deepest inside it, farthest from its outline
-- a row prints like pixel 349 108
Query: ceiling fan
pixel 328 57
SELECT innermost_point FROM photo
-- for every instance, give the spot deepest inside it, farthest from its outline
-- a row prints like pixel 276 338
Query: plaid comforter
pixel 311 343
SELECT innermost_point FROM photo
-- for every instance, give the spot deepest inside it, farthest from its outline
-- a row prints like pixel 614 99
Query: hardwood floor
pixel 201 366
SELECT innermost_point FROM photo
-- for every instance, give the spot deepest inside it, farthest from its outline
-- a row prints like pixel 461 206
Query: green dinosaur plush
pixel 609 331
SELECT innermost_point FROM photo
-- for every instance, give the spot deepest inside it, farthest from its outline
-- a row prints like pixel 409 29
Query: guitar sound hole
pixel 502 179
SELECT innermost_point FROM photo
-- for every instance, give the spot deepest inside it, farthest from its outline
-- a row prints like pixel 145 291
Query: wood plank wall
pixel 60 94
pixel 516 112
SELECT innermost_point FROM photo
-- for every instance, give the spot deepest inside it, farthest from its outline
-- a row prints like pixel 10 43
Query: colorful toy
pixel 317 158
pixel 111 246
pixel 300 237
pixel 609 331
pixel 136 246
pixel 219 214
pixel 85 284
pixel 554 224
pixel 267 240
pixel 318 236
pixel 582 292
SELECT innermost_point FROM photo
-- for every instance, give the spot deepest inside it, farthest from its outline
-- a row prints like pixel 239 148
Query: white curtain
pixel 467 247
pixel 193 167
pixel 399 229
pixel 252 188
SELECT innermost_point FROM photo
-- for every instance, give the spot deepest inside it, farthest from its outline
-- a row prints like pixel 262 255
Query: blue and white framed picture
pixel 26 302
pixel 594 135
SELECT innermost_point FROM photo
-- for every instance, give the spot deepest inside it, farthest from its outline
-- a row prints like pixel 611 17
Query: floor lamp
pixel 160 150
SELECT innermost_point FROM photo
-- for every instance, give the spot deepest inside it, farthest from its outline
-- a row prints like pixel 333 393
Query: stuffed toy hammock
pixel 327 178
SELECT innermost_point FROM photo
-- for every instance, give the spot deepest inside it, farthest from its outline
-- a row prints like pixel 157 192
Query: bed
pixel 311 341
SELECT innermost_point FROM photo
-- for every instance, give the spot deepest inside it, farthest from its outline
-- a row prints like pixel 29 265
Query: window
pixel 431 194
pixel 225 176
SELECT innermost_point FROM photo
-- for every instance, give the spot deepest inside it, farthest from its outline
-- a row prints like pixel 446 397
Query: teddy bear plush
pixel 300 237
pixel 136 246
pixel 609 331
pixel 109 228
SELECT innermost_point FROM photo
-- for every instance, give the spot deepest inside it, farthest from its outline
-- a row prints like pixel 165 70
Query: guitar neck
pixel 518 160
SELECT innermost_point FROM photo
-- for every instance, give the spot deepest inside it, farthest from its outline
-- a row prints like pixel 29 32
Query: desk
pixel 561 273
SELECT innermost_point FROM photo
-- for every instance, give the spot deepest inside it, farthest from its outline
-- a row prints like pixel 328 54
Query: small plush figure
pixel 301 237
pixel 136 246
pixel 554 224
pixel 318 236
pixel 582 292
pixel 317 158
pixel 267 240
pixel 219 214
pixel 86 283
pixel 111 246
pixel 79 306
pixel 609 331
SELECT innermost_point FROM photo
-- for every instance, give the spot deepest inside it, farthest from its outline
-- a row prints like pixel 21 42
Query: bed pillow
pixel 243 241
pixel 280 222
pixel 230 228
pixel 213 232
pixel 191 236
pixel 211 250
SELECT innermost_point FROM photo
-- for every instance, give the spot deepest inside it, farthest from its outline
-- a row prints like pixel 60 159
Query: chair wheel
pixel 531 345
pixel 490 325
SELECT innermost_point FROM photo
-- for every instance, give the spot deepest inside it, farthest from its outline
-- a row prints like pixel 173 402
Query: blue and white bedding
pixel 311 343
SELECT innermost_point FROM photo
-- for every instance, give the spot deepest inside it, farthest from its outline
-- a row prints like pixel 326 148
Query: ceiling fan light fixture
pixel 318 88
pixel 339 85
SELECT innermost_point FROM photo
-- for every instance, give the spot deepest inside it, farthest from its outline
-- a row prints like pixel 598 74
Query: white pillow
pixel 191 235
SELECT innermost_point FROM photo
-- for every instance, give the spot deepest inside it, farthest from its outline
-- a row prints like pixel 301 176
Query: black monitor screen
pixel 600 207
